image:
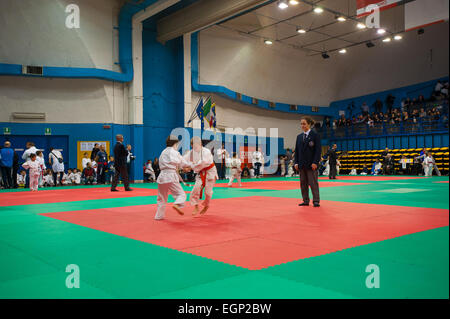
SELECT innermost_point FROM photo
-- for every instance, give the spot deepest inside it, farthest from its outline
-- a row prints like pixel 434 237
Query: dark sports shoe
pixel 303 204
pixel 128 189
pixel 316 205
pixel 114 190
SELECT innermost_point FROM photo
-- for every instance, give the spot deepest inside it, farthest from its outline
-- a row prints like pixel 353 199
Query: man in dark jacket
pixel 94 152
pixel 332 161
pixel 6 163
pixel 307 156
pixel 120 165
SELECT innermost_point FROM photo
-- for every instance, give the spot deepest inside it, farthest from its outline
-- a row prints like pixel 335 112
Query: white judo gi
pixel 168 181
pixel 235 171
pixel 35 172
pixel 203 165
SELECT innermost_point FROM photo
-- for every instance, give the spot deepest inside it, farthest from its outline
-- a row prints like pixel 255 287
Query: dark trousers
pixel 14 176
pixel 257 169
pixel 121 171
pixel 221 170
pixel 55 177
pixel 333 170
pixel 309 178
pixel 6 176
pixel 101 173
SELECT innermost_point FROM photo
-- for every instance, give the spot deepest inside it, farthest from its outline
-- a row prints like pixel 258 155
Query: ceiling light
pixel 293 2
pixel 387 40
pixel 301 30
pixel 398 37
pixel 370 44
pixel 318 10
pixel 361 25
pixel 341 18
pixel 381 31
pixel 268 42
pixel 282 4
pixel 325 55
pixel 342 51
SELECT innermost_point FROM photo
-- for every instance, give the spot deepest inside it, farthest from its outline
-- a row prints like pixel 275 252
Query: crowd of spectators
pixel 409 111
pixel 98 168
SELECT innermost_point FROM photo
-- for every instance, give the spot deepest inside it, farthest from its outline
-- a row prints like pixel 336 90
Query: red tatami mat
pixel 258 232
pixel 282 185
pixel 371 178
pixel 61 195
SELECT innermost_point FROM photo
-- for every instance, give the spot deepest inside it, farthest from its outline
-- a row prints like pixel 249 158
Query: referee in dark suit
pixel 307 157
pixel 120 165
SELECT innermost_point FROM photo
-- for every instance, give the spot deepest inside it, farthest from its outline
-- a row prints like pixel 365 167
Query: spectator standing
pixel 30 149
pixel 332 161
pixel 120 157
pixel 85 160
pixel 101 164
pixel 6 164
pixel 94 151
pixel 56 160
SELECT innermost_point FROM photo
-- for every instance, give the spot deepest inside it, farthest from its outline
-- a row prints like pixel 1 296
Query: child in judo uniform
pixel 170 161
pixel 235 170
pixel 35 171
pixel 203 164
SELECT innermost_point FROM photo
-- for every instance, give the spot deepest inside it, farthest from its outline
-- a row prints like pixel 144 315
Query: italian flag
pixel 209 112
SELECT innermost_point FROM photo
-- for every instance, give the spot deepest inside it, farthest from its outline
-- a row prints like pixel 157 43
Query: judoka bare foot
pixel 178 209
pixel 195 212
pixel 204 210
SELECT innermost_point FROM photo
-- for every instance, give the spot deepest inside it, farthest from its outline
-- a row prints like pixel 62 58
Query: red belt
pixel 203 173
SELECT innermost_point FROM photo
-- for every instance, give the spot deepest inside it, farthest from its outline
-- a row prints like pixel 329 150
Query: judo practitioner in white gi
pixel 236 170
pixel 35 171
pixel 170 161
pixel 203 164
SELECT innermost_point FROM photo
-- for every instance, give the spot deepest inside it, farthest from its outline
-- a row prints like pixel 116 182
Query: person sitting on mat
pixel 202 162
pixel 88 176
pixel 376 167
pixel 170 161
pixel 307 156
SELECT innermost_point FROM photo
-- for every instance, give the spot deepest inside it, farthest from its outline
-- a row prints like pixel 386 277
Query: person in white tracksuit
pixel 170 161
pixel 428 165
pixel 202 162
pixel 235 170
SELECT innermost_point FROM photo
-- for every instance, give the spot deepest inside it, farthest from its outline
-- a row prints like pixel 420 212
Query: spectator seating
pixel 367 157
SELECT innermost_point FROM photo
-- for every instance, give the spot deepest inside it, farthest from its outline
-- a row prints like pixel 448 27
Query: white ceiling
pixel 325 32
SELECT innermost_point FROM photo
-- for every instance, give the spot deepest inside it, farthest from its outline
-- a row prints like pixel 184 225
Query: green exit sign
pixel 48 131
pixel 6 130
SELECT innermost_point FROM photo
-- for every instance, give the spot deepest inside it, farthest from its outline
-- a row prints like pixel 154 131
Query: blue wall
pixel 393 142
pixel 163 72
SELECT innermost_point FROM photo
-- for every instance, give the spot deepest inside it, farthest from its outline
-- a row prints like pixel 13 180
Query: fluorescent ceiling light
pixel 293 2
pixel 398 37
pixel 387 40
pixel 361 25
pixel 381 31
pixel 268 42
pixel 282 4
pixel 318 10
pixel 341 19
pixel 301 30
pixel 342 51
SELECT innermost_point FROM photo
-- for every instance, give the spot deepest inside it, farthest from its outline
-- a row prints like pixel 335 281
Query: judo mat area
pixel 254 242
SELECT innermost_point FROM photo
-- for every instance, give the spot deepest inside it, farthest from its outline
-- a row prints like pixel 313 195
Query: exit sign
pixel 48 131
pixel 6 130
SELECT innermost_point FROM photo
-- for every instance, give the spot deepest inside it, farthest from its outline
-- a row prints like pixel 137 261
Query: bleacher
pixel 358 159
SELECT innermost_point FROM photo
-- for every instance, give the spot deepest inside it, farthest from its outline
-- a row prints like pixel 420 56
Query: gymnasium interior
pixel 372 75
